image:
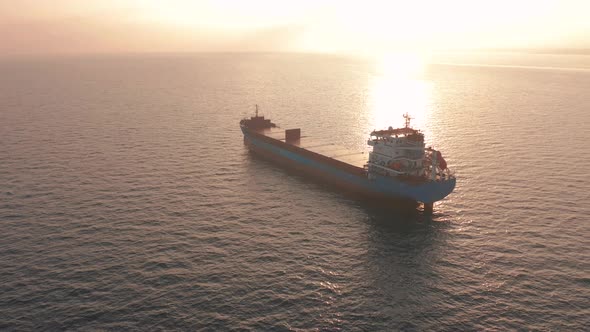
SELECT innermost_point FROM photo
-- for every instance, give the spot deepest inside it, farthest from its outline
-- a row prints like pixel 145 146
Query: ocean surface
pixel 128 200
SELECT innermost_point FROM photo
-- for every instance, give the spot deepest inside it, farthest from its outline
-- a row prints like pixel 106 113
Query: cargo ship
pixel 400 168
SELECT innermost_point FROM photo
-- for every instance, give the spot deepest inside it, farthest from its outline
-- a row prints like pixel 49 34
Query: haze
pixel 107 26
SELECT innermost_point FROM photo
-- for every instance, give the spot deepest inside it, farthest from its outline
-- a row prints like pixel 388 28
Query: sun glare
pixel 352 27
pixel 401 65
pixel 398 87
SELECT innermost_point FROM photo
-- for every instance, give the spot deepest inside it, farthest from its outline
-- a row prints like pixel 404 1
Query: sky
pixel 363 27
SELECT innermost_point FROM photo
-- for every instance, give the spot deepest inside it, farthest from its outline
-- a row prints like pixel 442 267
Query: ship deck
pixel 324 147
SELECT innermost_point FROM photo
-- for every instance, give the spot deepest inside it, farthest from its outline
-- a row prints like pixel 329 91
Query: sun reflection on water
pixel 399 87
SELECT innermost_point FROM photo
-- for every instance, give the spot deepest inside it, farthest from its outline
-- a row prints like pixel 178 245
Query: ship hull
pixel 348 177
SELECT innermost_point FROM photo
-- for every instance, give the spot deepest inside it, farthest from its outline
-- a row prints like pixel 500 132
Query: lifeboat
pixel 395 165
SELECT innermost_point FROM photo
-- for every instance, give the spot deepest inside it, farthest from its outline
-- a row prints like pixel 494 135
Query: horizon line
pixel 530 50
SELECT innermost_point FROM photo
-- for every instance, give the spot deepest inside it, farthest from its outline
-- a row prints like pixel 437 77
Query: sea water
pixel 128 200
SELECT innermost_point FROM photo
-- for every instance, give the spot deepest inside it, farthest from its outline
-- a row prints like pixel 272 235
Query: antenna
pixel 408 118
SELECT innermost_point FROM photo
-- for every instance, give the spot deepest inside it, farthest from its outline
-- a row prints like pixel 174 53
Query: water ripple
pixel 129 201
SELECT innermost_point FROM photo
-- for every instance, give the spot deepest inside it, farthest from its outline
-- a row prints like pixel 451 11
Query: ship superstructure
pixel 399 166
pixel 401 152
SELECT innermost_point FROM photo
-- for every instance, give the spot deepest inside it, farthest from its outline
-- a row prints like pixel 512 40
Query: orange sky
pixel 368 27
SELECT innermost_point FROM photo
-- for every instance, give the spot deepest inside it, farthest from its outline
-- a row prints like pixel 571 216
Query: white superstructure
pixel 402 152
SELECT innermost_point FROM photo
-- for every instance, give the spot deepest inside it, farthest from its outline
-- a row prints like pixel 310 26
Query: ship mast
pixel 256 110
pixel 408 118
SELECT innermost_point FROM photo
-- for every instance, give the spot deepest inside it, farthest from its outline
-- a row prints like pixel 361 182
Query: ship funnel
pixel 292 135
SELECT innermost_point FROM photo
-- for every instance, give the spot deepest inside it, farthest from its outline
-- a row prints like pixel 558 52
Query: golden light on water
pixel 399 88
